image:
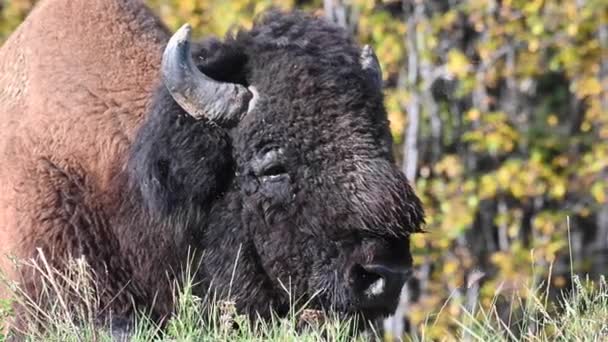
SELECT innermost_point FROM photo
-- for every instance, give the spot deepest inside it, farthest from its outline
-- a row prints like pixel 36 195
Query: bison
pixel 267 151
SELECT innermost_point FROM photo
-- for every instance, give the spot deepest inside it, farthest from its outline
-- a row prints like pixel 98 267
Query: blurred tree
pixel 12 13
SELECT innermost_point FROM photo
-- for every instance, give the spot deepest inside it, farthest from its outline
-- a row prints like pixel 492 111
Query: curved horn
pixel 198 94
pixel 369 63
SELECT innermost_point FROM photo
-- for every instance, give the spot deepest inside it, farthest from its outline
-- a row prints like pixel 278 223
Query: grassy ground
pixel 70 308
pixel 581 316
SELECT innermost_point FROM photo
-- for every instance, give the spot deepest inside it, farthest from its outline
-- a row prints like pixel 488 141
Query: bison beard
pixel 299 191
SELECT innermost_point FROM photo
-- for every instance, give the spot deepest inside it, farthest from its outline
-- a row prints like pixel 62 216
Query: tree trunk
pixel 343 13
pixel 410 147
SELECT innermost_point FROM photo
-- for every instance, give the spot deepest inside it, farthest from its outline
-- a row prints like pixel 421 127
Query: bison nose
pixel 378 285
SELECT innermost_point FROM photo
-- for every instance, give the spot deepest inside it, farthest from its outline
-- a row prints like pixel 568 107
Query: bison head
pixel 306 202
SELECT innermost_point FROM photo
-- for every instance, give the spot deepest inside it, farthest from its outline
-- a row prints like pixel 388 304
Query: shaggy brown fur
pixel 75 79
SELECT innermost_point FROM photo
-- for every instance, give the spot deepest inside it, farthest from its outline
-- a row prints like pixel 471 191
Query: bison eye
pixel 274 171
pixel 270 165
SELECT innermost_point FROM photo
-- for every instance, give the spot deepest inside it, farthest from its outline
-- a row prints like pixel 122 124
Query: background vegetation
pixel 499 111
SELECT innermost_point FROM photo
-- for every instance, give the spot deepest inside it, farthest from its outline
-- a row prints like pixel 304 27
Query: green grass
pixel 580 316
pixel 530 315
pixel 70 309
pixel 5 313
pixel 69 314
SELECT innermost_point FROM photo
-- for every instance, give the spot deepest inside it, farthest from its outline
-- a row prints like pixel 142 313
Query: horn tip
pixel 183 34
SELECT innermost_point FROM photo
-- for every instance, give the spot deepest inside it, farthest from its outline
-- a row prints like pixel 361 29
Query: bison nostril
pixel 362 279
pixel 374 280
pixel 376 288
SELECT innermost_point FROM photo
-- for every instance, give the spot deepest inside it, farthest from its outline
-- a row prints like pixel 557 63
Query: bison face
pixel 328 212
pixel 316 210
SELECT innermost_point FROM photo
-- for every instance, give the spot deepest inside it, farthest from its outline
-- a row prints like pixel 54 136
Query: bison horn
pixel 369 63
pixel 198 94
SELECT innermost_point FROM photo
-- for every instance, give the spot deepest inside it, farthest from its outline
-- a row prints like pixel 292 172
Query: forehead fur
pixel 308 73
pixel 301 37
pixel 299 48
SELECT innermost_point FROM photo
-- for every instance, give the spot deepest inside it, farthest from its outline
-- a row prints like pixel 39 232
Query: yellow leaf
pixel 458 64
pixel 473 114
pixel 585 126
pixel 450 267
pixel 572 29
pixel 598 192
pixel 558 190
pixel 397 122
pixel 533 45
pixel 552 120
pixel 588 86
pixel 418 241
pixel 537 28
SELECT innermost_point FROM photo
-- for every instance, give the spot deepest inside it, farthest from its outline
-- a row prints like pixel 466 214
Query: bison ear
pixel 371 66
